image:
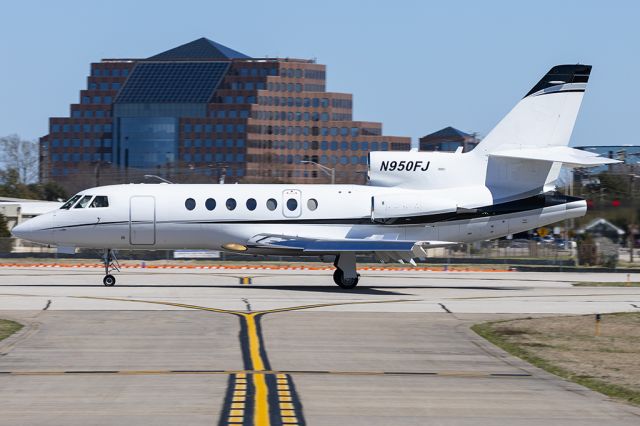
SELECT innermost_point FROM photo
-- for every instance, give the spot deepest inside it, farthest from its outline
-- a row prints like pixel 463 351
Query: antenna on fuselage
pixel 157 177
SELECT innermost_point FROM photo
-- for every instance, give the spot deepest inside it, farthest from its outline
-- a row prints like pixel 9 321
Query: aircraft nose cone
pixel 22 230
pixel 33 229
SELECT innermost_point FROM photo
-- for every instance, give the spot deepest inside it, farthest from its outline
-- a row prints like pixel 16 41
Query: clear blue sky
pixel 417 66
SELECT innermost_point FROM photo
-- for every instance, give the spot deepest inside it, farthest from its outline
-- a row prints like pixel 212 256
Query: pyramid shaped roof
pixel 448 133
pixel 200 49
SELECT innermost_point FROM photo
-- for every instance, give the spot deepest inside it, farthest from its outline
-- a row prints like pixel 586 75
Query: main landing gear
pixel 345 274
pixel 110 264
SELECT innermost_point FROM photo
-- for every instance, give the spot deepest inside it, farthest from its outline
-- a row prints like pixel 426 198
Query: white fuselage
pixel 155 216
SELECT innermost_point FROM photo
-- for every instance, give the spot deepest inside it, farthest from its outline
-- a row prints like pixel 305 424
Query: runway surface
pixel 175 347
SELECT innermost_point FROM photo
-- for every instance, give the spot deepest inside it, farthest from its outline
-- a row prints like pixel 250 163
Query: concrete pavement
pixel 187 347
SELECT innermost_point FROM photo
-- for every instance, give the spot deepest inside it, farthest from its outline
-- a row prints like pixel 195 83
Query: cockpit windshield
pixel 70 202
pixel 83 202
pixel 86 201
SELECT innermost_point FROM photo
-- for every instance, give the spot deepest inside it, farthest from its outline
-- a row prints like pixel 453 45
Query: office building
pixel 203 112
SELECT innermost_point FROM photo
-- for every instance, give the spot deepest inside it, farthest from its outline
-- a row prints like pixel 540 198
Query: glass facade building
pixel 202 112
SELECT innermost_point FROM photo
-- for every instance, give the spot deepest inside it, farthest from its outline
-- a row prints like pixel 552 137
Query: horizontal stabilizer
pixel 562 154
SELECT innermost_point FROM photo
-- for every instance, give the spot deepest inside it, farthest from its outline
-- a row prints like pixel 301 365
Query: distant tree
pixel 21 155
pixel 615 185
pixel 11 186
pixel 53 191
pixel 6 243
pixel 4 227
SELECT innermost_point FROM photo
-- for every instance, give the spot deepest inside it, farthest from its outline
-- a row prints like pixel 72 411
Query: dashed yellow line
pixel 261 407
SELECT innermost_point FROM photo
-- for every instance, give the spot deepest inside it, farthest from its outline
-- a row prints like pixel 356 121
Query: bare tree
pixel 21 155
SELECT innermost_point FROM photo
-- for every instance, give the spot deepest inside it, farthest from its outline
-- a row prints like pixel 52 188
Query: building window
pixel 210 204
pixel 312 204
pixel 272 204
pixel 231 204
pixel 190 203
pixel 251 204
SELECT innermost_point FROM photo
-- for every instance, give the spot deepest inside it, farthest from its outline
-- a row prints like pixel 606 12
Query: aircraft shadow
pixel 329 288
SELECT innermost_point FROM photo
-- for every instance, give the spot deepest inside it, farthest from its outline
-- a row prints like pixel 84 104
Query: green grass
pixel 7 328
pixel 606 284
pixel 488 331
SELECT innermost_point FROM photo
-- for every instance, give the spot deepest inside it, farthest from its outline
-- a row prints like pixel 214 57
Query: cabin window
pixel 251 204
pixel 71 202
pixel 83 202
pixel 190 203
pixel 272 204
pixel 292 204
pixel 312 204
pixel 210 204
pixel 100 201
pixel 231 204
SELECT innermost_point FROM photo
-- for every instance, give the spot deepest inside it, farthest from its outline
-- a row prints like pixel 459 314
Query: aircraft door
pixel 292 203
pixel 142 220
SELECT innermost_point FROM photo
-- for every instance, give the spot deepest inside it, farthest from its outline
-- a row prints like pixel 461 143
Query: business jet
pixel 413 201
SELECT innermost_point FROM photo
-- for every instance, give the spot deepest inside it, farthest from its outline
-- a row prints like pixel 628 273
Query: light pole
pixel 324 169
pixel 96 170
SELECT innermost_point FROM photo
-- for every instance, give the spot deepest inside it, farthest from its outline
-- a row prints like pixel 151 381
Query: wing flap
pixel 309 245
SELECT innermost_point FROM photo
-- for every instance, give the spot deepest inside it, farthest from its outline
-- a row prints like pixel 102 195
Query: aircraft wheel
pixel 109 280
pixel 346 283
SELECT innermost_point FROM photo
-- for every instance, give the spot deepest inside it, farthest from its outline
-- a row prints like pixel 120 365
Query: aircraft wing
pixel 569 156
pixel 398 250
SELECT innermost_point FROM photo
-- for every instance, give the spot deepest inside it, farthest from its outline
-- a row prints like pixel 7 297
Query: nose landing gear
pixel 110 264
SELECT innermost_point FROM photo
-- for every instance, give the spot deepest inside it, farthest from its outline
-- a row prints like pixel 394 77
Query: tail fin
pixel 545 116
pixel 527 148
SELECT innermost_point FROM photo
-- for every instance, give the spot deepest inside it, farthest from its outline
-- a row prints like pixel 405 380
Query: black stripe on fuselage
pixel 518 206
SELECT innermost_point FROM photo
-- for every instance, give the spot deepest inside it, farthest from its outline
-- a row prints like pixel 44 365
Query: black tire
pixel 109 280
pixel 346 283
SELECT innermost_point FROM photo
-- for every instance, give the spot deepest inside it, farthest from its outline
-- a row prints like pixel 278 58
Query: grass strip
pixel 488 331
pixel 606 284
pixel 7 328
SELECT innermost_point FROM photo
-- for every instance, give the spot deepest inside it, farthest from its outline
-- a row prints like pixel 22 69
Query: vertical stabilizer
pixel 545 116
pixel 543 119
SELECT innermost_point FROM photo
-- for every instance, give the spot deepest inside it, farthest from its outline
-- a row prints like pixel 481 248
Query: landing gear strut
pixel 110 264
pixel 345 274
